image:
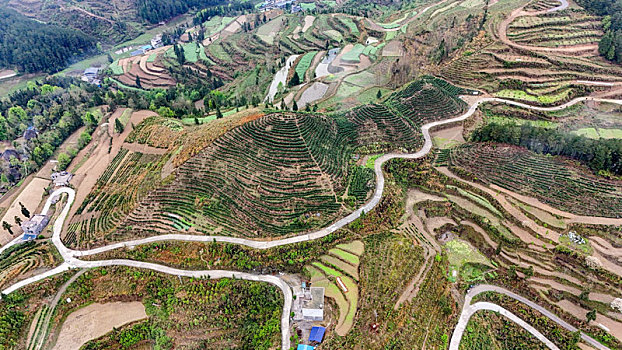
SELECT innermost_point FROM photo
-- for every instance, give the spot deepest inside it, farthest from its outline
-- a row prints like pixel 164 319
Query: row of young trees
pixel 601 155
pixel 154 11
pixel 222 10
pixel 31 46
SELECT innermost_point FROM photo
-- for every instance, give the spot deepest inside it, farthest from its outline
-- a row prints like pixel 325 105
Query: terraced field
pixel 25 259
pixel 113 196
pixel 149 67
pixel 289 173
pixel 338 273
pixel 555 29
pixel 426 100
pixel 551 180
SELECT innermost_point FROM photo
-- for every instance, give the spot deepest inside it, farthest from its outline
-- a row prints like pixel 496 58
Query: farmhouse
pixel 30 133
pixel 34 226
pixel 156 41
pixel 313 304
pixel 137 52
pixel 61 178
pixel 91 75
pixel 317 334
pixel 7 154
pixel 309 304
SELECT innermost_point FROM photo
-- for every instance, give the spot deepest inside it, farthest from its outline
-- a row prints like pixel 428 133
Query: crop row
pixel 551 180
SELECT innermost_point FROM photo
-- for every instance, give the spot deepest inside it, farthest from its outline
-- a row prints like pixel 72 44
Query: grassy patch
pixel 356 247
pixel 304 63
pixel 460 253
pixel 116 68
pixel 354 53
pixel 350 24
pixel 307 6
pixel 477 199
pixel 327 270
pixel 341 265
pixel 346 256
pixel 191 121
pixel 538 123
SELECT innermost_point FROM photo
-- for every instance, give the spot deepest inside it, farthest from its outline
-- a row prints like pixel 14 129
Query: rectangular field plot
pixel 346 256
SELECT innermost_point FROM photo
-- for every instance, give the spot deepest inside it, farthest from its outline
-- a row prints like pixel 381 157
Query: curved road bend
pixel 46 322
pixel 70 255
pixel 472 309
pixel 469 309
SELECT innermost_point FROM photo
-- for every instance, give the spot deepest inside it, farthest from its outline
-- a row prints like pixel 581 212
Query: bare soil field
pixel 448 137
pixel 308 23
pixel 7 73
pixel 392 49
pixel 98 156
pixel 30 196
pixel 96 320
pixel 311 94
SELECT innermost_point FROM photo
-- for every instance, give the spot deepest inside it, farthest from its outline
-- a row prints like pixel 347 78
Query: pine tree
pixel 24 210
pixel 7 226
pixel 294 106
pixel 295 80
pixel 118 126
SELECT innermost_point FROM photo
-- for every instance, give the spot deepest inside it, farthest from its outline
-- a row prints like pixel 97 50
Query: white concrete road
pixel 71 256
pixel 469 309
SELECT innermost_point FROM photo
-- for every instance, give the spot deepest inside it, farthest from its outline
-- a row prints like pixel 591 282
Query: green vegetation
pixel 354 53
pixel 301 147
pixel 598 154
pixel 477 199
pixel 462 258
pixel 551 180
pixel 488 330
pixel 31 46
pixel 610 46
pixel 304 63
pixel 183 313
pixel 350 24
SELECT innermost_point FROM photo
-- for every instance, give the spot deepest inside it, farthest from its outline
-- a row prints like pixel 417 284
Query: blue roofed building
pixel 317 334
pixel 305 347
pixel 28 237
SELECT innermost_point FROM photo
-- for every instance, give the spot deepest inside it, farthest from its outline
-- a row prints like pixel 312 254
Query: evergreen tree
pixel 24 210
pixel 118 126
pixel 295 80
pixel 591 315
pixel 7 227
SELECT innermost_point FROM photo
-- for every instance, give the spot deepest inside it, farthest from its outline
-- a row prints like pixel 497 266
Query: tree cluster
pixel 610 45
pixel 221 10
pixel 31 46
pixel 154 11
pixel 601 155
pixel 54 109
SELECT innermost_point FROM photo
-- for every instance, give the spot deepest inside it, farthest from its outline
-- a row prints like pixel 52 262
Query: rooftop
pixel 317 299
pixel 317 334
